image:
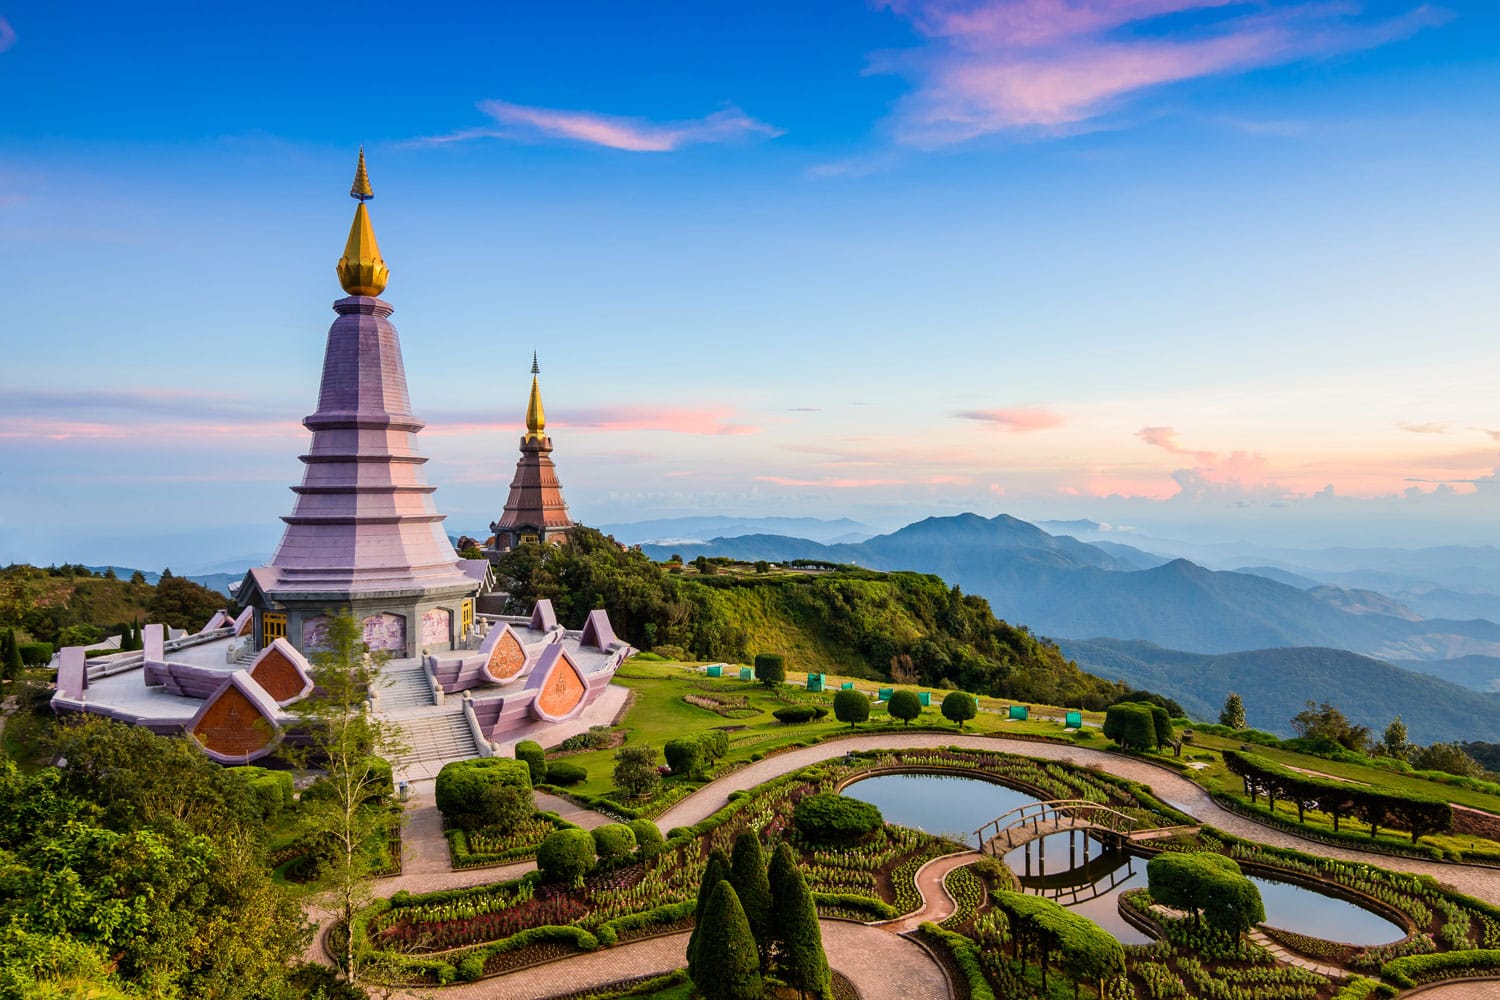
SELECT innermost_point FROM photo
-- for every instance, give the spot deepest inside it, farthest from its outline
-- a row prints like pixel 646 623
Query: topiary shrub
pixel 851 707
pixel 959 708
pixel 471 968
pixel 564 773
pixel 1132 725
pixel 489 791
pixel 270 791
pixel 648 838
pixel 566 856
pixel 613 841
pixel 35 654
pixel 904 705
pixel 830 818
pixel 684 755
pixel 535 757
pixel 1207 883
pixel 794 714
pixel 770 668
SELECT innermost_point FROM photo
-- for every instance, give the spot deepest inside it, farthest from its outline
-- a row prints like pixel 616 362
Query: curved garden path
pixel 937 905
pixel 881 965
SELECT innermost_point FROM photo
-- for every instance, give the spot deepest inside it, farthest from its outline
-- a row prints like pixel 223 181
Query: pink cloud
pixel 831 483
pixel 636 135
pixel 1165 438
pixel 1017 421
pixel 994 65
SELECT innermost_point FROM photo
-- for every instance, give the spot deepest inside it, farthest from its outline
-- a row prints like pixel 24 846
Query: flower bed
pixel 488 847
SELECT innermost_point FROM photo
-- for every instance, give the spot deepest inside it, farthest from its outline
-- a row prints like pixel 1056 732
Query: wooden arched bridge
pixel 1035 820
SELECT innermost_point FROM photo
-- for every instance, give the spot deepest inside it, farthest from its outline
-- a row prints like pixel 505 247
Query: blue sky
pixel 1208 267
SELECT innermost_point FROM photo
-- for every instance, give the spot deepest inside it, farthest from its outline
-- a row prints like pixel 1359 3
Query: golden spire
pixel 536 420
pixel 361 270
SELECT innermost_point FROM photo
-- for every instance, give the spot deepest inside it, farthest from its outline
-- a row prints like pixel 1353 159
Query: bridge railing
pixel 1035 814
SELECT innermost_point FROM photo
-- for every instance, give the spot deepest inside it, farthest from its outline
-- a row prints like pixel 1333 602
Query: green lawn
pixel 659 714
pixel 1363 773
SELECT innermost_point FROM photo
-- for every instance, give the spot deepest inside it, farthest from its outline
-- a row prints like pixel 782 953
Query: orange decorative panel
pixel 562 691
pixel 278 675
pixel 233 726
pixel 507 658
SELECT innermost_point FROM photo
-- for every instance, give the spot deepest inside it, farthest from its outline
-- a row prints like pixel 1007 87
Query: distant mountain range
pixel 1064 588
pixel 1276 683
pixel 213 581
pixel 697 530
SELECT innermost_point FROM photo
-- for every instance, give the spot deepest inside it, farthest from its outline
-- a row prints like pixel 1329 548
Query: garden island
pixel 546 766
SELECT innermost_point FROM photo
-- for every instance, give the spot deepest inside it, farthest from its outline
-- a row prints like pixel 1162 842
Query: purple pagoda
pixel 364 536
pixel 535 510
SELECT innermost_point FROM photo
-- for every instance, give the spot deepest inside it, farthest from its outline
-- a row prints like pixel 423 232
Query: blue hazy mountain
pixel 1068 589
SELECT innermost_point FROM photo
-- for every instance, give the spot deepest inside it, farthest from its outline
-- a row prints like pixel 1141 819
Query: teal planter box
pixel 1073 720
pixel 1019 712
pixel 847 686
pixel 716 671
pixel 925 697
pixel 885 694
pixel 815 682
pixel 746 674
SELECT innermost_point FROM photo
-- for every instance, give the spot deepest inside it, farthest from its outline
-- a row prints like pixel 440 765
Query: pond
pixel 944 805
pixel 1079 872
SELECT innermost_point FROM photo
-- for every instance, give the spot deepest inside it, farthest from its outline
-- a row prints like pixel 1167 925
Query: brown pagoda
pixel 535 511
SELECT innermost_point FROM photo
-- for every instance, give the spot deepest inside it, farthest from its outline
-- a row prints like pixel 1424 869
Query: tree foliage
pixel 1133 726
pixel 770 669
pixel 1233 712
pixel 800 960
pixel 635 771
pixel 904 705
pixel 485 792
pixel 831 818
pixel 747 873
pixel 716 870
pixel 852 707
pixel 566 856
pixel 1446 757
pixel 1325 727
pixel 728 965
pixel 959 708
pixel 1206 884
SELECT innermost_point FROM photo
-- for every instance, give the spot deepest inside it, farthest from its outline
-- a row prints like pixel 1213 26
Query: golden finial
pixel 536 420
pixel 361 186
pixel 361 270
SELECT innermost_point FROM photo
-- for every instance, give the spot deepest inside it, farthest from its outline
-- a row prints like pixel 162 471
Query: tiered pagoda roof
pixel 535 510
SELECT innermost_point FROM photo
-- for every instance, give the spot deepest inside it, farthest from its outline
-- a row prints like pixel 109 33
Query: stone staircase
pixel 404 689
pixel 437 737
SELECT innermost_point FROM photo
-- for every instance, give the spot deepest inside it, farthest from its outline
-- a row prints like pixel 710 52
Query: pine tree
pixel 1394 740
pixel 10 667
pixel 716 871
pixel 747 873
pixel 801 960
pixel 728 966
pixel 1233 714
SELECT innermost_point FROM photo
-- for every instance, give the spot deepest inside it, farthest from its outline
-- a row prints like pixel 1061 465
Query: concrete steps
pixel 437 737
pixel 404 689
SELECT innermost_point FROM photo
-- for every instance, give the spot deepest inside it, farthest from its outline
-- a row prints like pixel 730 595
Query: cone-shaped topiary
pixel 728 966
pixel 716 871
pixel 794 915
pixel 747 873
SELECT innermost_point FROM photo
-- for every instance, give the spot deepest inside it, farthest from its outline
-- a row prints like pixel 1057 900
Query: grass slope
pixel 1276 683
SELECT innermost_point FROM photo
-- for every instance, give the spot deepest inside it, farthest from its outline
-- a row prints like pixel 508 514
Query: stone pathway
pixel 1171 787
pixel 881 965
pixel 1292 958
pixel 1473 989
pixel 937 905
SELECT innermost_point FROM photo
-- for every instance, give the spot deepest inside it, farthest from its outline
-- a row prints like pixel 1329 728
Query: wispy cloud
pixel 1428 428
pixel 7 35
pixel 1022 420
pixel 605 419
pixel 637 135
pixel 1165 438
pixel 1051 65
pixel 832 482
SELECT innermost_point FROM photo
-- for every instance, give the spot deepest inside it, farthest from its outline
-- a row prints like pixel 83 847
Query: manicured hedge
pixel 609 932
pixel 1209 883
pixel 1090 953
pixel 693 754
pixel 648 838
pixel 878 909
pixel 1417 814
pixel 535 757
pixel 966 956
pixel 271 791
pixel 1360 988
pixel 35 654
pixel 1414 970
pixel 830 818
pixel 462 786
pixel 567 774
pixel 1133 726
pixel 566 856
pixel 613 841
pixel 794 714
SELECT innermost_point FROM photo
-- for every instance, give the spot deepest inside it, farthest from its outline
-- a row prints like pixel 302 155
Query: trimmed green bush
pixel 959 708
pixel 794 923
pixel 535 757
pixel 564 773
pixel 728 966
pixel 613 841
pixel 904 705
pixel 966 956
pixel 488 791
pixel 747 873
pixel 566 856
pixel 648 838
pixel 35 654
pixel 830 818
pixel 851 707
pixel 1131 725
pixel 794 714
pixel 770 668
pixel 716 870
pixel 1206 883
pixel 1414 970
pixel 271 791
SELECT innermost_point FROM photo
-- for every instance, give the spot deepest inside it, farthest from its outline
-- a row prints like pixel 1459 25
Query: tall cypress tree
pixel 10 666
pixel 716 871
pixel 802 961
pixel 748 876
pixel 728 966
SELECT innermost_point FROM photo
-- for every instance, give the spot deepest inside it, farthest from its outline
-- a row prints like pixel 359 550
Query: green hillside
pixel 848 621
pixel 73 604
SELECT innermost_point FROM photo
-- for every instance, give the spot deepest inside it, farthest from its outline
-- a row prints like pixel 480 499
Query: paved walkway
pixel 1478 989
pixel 937 905
pixel 1169 786
pixel 1292 958
pixel 881 965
